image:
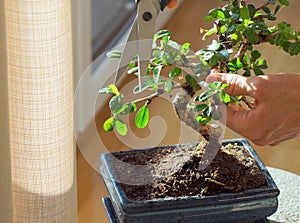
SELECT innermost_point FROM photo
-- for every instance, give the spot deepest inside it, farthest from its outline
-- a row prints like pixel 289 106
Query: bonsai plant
pixel 238 28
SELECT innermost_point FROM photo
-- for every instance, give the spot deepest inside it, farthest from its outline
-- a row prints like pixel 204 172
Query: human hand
pixel 275 116
pixel 172 4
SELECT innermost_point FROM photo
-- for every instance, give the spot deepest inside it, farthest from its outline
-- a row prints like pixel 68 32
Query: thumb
pixel 237 85
pixel 172 4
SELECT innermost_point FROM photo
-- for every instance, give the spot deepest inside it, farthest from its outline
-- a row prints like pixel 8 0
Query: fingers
pixel 172 4
pixel 238 85
pixel 238 118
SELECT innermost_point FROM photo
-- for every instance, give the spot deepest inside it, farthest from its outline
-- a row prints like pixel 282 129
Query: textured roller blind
pixel 39 58
pixel 6 211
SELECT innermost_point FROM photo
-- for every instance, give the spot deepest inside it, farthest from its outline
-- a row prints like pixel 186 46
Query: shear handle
pixel 163 3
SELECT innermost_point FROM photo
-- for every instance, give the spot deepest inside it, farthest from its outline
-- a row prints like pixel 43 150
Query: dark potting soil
pixel 232 170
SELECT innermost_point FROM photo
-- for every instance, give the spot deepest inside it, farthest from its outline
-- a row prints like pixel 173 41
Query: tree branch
pixel 155 94
pixel 242 50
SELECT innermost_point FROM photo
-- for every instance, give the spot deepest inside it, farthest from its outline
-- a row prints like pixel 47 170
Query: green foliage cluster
pixel 238 28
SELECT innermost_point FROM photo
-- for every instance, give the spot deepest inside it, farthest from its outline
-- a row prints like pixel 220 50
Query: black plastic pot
pixel 251 205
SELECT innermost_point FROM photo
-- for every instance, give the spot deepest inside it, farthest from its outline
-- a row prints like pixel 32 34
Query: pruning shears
pixel 142 29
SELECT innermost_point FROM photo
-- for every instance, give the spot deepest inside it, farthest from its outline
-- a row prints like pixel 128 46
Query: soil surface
pixel 232 170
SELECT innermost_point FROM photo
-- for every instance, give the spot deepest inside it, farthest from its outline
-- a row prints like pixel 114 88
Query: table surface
pixel 289 198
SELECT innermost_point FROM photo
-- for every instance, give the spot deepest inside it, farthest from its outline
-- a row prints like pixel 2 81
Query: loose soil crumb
pixel 232 170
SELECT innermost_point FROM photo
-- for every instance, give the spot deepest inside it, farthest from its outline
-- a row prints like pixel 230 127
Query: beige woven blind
pixel 39 65
pixel 6 210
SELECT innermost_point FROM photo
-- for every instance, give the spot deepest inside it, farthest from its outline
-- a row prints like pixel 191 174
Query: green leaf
pixel 261 64
pixel 174 45
pixel 132 70
pixel 245 13
pixel 235 64
pixel 156 61
pixel 142 117
pixel 108 124
pixel 218 14
pixel 289 32
pixel 226 99
pixel 120 126
pixel 266 9
pixel 284 2
pixel 258 13
pixel 294 48
pixel 128 108
pixel 214 46
pixel 278 7
pixel 255 54
pixel 215 14
pixel 258 71
pixel 196 87
pixel 202 120
pixel 215 85
pixel 114 54
pixel 169 57
pixel 217 115
pixel 251 35
pixel 210 32
pixel 281 25
pixel 207 112
pixel 239 64
pixel 214 60
pixel 234 36
pixel 223 29
pixel 137 89
pixel 247 73
pixel 168 85
pixel 200 107
pixel 231 28
pixel 131 64
pixel 111 89
pixel 232 66
pixel 233 100
pixel 285 45
pixel 245 62
pixel 271 17
pixel 175 72
pixel 164 41
pixel 185 48
pixel 240 27
pixel 114 89
pixel 201 68
pixel 220 95
pixel 223 86
pixel 156 54
pixel 252 10
pixel 156 73
pixel 224 54
pixel 115 104
pixel 190 80
pixel 272 2
pixel 160 34
pixel 204 96
pixel 105 90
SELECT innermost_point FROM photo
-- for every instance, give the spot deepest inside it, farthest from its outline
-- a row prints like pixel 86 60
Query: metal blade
pixel 129 52
pixel 140 39
pixel 146 22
